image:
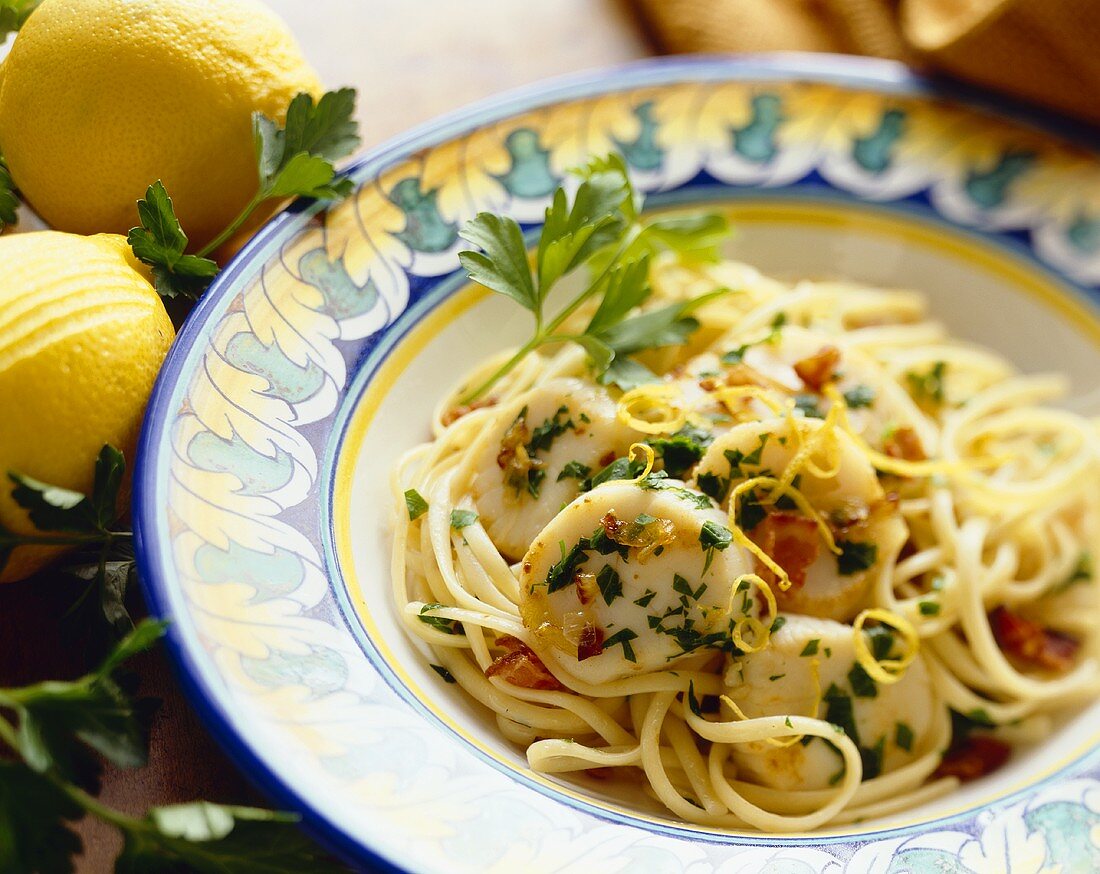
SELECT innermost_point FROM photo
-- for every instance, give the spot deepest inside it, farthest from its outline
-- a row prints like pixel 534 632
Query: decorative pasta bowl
pixel 263 504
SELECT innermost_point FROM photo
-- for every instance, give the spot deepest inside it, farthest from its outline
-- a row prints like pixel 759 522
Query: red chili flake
pixel 818 369
pixel 905 444
pixel 1032 644
pixel 791 541
pixel 591 642
pixel 521 667
pixel 607 458
pixel 455 413
pixel 975 757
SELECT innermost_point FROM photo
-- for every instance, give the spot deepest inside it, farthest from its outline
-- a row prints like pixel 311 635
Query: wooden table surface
pixel 410 60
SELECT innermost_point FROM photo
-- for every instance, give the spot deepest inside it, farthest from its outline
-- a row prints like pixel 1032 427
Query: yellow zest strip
pixel 761 633
pixel 887 670
pixel 900 466
pixel 815 673
pixel 659 402
pixel 823 438
pixel 727 395
pixel 774 485
pixel 638 450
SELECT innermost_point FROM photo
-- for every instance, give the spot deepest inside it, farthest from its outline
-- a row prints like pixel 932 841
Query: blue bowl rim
pixel 874 74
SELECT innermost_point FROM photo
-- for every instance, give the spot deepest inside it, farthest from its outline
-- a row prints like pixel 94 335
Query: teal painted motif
pixel 530 174
pixel 989 188
pixel 756 141
pixel 287 381
pixel 258 473
pixel 927 862
pixel 643 153
pixel 272 575
pixel 425 229
pixel 344 298
pixel 874 153
pixel 1084 234
pixel 1067 829
pixel 321 670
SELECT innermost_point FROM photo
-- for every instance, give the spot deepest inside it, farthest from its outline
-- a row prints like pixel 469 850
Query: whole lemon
pixel 100 98
pixel 82 336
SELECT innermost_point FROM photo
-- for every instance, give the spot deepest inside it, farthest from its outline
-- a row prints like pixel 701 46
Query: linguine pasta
pixel 830 563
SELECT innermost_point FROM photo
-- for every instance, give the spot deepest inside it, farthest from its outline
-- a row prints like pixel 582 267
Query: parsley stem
pixel 502 371
pixel 100 811
pixel 546 334
pixel 628 239
pixel 233 226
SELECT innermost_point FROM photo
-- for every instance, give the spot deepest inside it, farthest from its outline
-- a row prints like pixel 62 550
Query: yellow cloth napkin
pixel 1046 51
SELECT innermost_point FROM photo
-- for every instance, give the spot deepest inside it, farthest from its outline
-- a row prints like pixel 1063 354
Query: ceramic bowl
pixel 262 485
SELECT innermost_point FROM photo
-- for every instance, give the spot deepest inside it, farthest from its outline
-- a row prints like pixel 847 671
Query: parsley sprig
pixel 53 729
pixel 294 160
pixel 53 733
pixel 13 15
pixel 601 228
pixel 102 559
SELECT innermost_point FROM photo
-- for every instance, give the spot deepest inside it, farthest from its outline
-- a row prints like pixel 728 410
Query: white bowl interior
pixel 983 294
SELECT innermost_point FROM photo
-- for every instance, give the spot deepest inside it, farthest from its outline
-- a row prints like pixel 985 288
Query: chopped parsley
pixel 737 458
pixel 859 396
pixel 855 556
pixel 808 406
pixel 777 328
pixel 736 356
pixel 1082 573
pixel 543 437
pixel 777 623
pixel 882 641
pixel 839 712
pixel 713 536
pixel 775 677
pixel 448 626
pixel 903 736
pixel 574 470
pixel 692 701
pixel 562 572
pixel 623 638
pixel 928 387
pixel 810 649
pixel 535 476
pixel 862 684
pixel 646 598
pixel 929 608
pixel 611 586
pixel 462 518
pixel 682 451
pixel 443 672
pixel 980 716
pixel 872 758
pixel 657 482
pixel 712 485
pixel 620 468
pixel 681 585
pixel 415 503
pixel 750 512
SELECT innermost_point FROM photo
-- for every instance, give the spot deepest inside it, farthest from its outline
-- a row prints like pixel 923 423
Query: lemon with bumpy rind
pixel 100 98
pixel 82 336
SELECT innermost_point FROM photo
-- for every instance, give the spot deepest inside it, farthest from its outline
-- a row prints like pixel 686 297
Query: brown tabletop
pixel 410 62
